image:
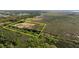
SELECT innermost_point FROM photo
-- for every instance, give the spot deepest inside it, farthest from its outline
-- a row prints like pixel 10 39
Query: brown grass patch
pixel 25 25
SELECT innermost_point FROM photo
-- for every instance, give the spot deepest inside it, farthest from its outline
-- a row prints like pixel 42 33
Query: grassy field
pixel 64 26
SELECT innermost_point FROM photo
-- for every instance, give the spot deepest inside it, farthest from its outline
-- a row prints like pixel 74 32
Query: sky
pixel 39 4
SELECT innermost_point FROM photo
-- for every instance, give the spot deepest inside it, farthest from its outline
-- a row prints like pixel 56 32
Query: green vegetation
pixel 14 37
pixel 39 29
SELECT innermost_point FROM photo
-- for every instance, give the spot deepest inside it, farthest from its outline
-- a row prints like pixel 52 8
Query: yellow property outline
pixel 5 27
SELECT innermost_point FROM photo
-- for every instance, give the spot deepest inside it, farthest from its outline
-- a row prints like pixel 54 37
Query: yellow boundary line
pixel 13 23
pixel 5 27
pixel 42 30
pixel 18 31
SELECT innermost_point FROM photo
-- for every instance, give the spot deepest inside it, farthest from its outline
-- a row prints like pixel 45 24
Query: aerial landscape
pixel 39 28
